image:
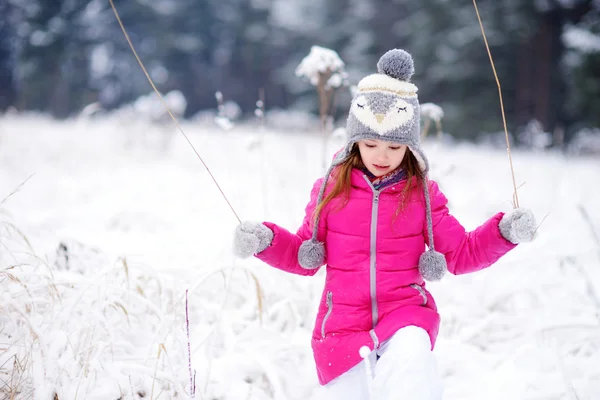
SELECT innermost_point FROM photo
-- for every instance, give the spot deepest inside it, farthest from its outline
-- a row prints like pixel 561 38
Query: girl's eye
pixel 395 148
pixel 401 109
pixel 369 145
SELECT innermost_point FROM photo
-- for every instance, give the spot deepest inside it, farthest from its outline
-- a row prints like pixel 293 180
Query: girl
pixel 371 225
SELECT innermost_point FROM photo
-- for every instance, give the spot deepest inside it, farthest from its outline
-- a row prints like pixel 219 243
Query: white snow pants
pixel 404 368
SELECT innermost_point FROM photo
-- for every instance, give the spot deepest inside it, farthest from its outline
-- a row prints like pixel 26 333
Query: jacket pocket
pixel 421 292
pixel 329 310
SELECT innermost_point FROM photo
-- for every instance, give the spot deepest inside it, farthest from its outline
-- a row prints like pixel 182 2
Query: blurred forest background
pixel 58 56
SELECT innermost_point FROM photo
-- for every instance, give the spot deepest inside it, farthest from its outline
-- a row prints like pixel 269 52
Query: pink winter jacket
pixel 365 302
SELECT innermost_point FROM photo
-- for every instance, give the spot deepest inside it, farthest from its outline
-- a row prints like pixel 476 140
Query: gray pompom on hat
pixel 397 64
pixel 385 107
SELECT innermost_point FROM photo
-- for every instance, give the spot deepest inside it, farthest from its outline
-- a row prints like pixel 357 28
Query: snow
pixel 432 111
pixel 159 74
pixel 176 102
pixel 142 223
pixel 336 81
pixel 41 38
pixel 151 107
pixel 547 5
pixel 226 112
pixel 585 141
pixel 320 60
pixel 163 7
pixel 100 61
pixel 534 137
pixel 259 110
pixel 581 39
pixel 224 123
pixel 296 16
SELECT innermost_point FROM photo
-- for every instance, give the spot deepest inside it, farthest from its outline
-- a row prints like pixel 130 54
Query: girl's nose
pixel 382 153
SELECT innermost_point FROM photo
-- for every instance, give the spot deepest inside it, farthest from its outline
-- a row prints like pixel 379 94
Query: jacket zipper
pixel 329 310
pixel 373 252
pixel 373 268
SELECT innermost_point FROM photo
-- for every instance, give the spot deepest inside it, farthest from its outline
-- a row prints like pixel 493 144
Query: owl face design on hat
pixel 382 113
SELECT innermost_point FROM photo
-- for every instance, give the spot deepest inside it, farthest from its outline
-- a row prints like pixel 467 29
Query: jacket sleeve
pixel 282 253
pixel 464 251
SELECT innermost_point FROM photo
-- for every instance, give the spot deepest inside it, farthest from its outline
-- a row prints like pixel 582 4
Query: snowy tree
pixel 431 112
pixel 324 69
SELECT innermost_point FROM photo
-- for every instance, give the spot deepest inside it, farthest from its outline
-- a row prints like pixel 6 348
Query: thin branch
pixel 187 324
pixel 16 189
pixel 566 379
pixel 588 220
pixel 515 196
pixel 591 291
pixel 168 108
pixel 538 227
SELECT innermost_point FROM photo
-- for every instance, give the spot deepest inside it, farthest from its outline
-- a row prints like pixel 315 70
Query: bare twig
pixel 438 126
pixel 161 347
pixel 589 285
pixel 580 326
pixel 425 130
pixel 566 379
pixel 16 189
pixel 219 316
pixel 515 196
pixel 168 108
pixel 260 107
pixel 259 295
pixel 540 224
pixel 588 220
pixel 187 324
pixel 325 93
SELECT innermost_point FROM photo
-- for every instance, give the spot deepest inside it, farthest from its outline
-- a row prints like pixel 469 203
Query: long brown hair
pixel 342 174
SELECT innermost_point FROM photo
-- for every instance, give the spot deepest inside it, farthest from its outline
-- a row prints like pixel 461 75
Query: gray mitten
pixel 251 238
pixel 518 225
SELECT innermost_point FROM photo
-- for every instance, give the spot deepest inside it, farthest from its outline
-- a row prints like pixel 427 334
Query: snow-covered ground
pixel 116 220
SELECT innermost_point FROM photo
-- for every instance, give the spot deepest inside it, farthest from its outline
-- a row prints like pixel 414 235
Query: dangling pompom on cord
pixel 311 254
pixel 432 265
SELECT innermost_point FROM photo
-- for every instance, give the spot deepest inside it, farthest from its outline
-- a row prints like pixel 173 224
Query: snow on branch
pixel 322 62
pixel 432 112
pixel 581 39
pixel 325 70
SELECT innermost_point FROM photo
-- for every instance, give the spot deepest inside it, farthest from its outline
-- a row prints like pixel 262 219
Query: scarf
pixel 379 182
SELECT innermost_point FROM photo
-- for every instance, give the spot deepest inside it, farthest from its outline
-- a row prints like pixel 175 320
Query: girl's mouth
pixel 380 167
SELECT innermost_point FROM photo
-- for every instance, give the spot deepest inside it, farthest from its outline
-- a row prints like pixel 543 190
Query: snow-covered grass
pixel 118 219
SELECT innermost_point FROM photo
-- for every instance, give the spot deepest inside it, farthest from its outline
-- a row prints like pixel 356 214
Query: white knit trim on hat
pixel 380 82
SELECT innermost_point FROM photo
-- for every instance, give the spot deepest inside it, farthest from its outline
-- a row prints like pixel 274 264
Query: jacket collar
pixel 361 181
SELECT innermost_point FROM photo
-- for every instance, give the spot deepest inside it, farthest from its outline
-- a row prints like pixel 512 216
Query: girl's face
pixel 381 157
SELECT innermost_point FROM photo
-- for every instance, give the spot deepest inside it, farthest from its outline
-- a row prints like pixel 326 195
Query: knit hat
pixel 385 107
